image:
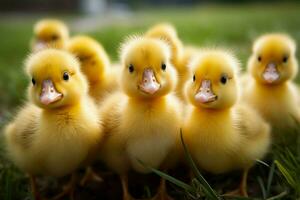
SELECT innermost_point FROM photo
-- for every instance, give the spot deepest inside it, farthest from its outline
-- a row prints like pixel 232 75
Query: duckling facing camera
pixel 270 88
pixel 142 121
pixel 49 33
pixel 59 129
pixel 222 133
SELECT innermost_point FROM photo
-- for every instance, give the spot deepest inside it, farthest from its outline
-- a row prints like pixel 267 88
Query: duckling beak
pixel 149 83
pixel 271 73
pixel 49 94
pixel 205 94
pixel 38 46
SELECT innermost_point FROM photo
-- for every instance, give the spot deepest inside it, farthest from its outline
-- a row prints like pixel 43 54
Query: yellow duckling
pixel 222 134
pixel 95 64
pixel 270 89
pixel 143 121
pixel 59 129
pixel 49 33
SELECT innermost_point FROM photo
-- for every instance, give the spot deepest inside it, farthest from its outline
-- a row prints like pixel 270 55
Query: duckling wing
pixel 20 132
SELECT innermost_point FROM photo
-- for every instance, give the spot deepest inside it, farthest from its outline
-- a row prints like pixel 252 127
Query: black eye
pixel 66 76
pixel 131 68
pixel 33 81
pixel 194 78
pixel 163 66
pixel 285 59
pixel 54 37
pixel 223 79
pixel 259 58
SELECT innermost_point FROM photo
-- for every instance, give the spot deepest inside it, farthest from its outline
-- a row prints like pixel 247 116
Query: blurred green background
pixel 230 24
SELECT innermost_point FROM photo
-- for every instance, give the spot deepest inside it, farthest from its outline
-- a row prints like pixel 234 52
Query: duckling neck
pixel 216 113
pixel 67 110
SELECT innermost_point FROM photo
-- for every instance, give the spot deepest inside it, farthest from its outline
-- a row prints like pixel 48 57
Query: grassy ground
pixel 234 27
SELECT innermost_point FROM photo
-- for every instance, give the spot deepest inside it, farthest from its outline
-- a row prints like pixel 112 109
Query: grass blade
pixel 169 178
pixel 262 187
pixel 207 188
pixel 285 173
pixel 270 179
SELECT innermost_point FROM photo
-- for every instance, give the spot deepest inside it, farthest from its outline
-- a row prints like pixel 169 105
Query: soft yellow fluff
pixel 49 33
pixel 221 133
pixel 95 64
pixel 277 101
pixel 140 125
pixel 54 138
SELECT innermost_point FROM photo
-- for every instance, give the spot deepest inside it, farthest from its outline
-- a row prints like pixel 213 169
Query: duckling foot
pixel 68 190
pixel 124 182
pixel 162 192
pixel 242 189
pixel 90 175
pixel 36 194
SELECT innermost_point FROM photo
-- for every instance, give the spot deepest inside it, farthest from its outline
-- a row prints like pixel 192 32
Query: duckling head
pixel 212 84
pixel 147 71
pixel 56 79
pixel 273 60
pixel 91 55
pixel 50 33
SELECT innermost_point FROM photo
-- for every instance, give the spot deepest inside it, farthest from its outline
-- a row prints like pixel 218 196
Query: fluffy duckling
pixel 49 33
pixel 59 129
pixel 95 64
pixel 217 125
pixel 143 121
pixel 271 68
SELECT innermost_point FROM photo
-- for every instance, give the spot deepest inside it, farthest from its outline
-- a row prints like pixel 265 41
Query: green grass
pixel 234 27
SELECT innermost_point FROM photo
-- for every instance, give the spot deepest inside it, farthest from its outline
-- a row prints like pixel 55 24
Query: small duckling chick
pixel 217 125
pixel 142 122
pixel 59 129
pixel 95 64
pixel 49 33
pixel 270 89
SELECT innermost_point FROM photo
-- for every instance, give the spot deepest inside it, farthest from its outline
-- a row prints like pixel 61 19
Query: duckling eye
pixel 285 59
pixel 194 78
pixel 259 58
pixel 33 81
pixel 54 37
pixel 163 66
pixel 223 79
pixel 66 76
pixel 131 68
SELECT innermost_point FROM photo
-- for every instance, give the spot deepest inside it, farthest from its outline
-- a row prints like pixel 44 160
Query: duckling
pixel 59 129
pixel 142 121
pixel 95 64
pixel 217 125
pixel 270 88
pixel 49 33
